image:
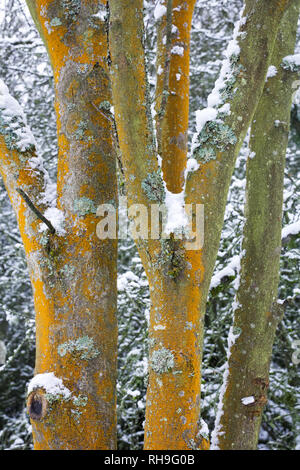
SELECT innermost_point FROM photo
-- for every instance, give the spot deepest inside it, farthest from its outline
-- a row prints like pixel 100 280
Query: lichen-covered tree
pixel 72 398
pixel 257 311
pixel 157 170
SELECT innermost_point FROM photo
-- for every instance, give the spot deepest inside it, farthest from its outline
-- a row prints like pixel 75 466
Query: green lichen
pixel 71 106
pixel 236 331
pixel 226 92
pixel 53 398
pixel 162 360
pixel 105 105
pixel 128 58
pixel 44 240
pixel 47 264
pixel 71 9
pixel 234 58
pixel 84 206
pixel 214 135
pixel 83 347
pixel 153 187
pixel 79 401
pixel 151 342
pixel 55 22
pixel 225 136
pixel 93 23
pixel 206 154
pixel 82 127
pixel 67 270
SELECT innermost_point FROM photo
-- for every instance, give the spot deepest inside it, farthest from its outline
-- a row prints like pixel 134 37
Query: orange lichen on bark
pixel 17 172
pixel 45 316
pixel 175 317
pixel 129 90
pixel 175 332
pixel 172 91
pixel 74 276
pixel 71 316
pixel 76 339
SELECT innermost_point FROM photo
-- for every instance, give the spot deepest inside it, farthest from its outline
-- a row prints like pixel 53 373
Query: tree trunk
pixel 171 94
pixel 256 311
pixel 179 278
pixel 72 399
pixel 175 338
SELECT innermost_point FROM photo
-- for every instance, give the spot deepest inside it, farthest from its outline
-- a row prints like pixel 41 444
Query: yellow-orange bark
pixel 172 91
pixel 179 279
pixel 74 275
pixel 176 328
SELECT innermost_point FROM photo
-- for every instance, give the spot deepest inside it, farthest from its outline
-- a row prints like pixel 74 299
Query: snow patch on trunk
pixel 50 383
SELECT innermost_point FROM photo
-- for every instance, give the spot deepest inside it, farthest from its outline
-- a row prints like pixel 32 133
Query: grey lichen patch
pixel 153 187
pixel 71 106
pixel 83 69
pixel 84 206
pixel 236 69
pixel 56 22
pixel 162 360
pixel 53 398
pixel 47 264
pixel 214 135
pixel 188 325
pixel 71 9
pixel 80 401
pixel 105 105
pixel 192 444
pixel 83 347
pixel 206 154
pixel 68 271
pixel 151 342
pixel 82 127
pixel 23 157
pixel 92 22
pixel 171 258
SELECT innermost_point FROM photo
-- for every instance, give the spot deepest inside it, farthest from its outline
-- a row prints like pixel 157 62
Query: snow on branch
pixel 13 123
pixel 19 138
pixel 232 268
pixel 291 62
pixel 218 101
pixel 290 230
pixel 229 271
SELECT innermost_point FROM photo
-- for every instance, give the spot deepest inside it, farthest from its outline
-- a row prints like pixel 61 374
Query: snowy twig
pixel 35 210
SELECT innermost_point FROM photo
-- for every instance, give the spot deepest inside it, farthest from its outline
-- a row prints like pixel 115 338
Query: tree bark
pixel 139 162
pixel 73 274
pixel 172 97
pixel 179 278
pixel 256 311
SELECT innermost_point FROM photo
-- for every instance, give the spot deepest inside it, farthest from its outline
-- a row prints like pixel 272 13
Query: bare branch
pixel 35 210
